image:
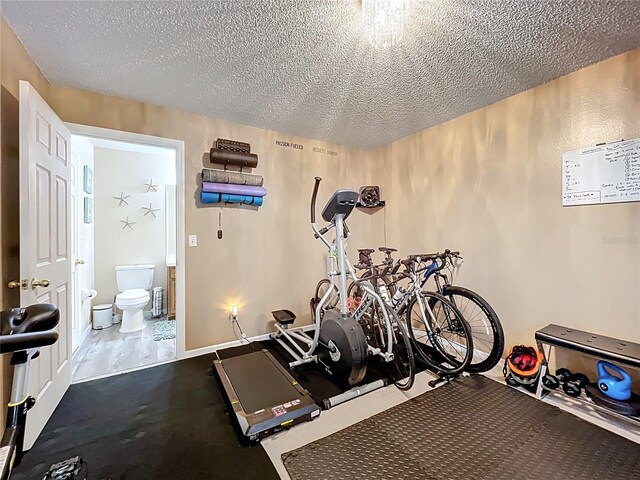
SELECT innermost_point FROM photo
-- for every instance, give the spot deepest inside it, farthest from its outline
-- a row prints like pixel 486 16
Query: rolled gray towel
pixel 224 176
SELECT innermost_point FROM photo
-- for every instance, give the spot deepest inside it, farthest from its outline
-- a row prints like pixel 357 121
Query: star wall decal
pixel 127 223
pixel 122 199
pixel 151 187
pixel 150 210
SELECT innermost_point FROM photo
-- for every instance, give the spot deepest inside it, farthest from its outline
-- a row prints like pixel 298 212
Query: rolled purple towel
pixel 233 189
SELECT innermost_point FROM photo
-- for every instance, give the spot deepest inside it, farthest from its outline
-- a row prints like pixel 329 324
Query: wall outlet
pixel 193 240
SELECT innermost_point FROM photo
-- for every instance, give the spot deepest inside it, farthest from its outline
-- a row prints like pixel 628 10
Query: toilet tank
pixel 129 277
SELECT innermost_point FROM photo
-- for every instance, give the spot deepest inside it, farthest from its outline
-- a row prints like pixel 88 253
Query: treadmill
pixel 263 397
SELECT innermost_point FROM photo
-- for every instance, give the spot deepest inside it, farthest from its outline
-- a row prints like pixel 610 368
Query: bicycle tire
pixel 402 369
pixel 402 350
pixel 496 349
pixel 450 365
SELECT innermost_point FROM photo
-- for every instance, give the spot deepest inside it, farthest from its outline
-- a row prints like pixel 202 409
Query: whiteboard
pixel 607 173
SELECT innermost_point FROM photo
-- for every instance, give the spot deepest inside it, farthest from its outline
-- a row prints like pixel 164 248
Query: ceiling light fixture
pixel 384 21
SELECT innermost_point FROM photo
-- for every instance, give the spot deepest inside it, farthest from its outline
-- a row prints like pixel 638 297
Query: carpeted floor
pixel 165 422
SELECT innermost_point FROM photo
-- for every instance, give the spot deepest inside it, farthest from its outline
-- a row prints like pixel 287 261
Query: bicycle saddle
pixel 387 250
pixel 362 266
pixel 366 251
pixel 30 327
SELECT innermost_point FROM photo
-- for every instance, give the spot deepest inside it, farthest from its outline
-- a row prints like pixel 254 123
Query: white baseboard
pixel 213 348
pixel 234 343
pixel 85 332
pixel 83 337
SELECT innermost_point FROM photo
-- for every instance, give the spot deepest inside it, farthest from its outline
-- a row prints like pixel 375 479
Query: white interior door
pixel 45 243
pixel 74 197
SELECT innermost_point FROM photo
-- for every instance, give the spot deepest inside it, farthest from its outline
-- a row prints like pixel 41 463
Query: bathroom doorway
pixel 127 262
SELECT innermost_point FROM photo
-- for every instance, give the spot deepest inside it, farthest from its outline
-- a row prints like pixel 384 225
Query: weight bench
pixel 600 346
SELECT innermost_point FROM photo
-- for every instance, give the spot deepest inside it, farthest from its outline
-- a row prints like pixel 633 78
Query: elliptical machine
pixel 22 332
pixel 344 351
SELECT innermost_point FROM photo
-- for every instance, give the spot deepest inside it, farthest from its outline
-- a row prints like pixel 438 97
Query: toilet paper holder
pixel 87 294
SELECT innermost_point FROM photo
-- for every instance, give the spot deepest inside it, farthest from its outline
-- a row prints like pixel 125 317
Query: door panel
pixel 44 245
pixel 61 149
pixel 61 347
pixel 43 215
pixel 61 215
pixel 43 132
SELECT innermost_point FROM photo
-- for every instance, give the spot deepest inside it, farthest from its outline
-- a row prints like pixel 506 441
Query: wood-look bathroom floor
pixel 109 351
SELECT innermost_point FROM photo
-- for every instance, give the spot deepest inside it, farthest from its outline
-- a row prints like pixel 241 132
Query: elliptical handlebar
pixel 313 200
pixel 319 233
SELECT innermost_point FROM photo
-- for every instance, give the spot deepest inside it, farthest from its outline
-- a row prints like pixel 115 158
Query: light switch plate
pixel 193 240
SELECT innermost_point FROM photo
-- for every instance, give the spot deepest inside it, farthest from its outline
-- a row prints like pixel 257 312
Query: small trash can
pixel 102 316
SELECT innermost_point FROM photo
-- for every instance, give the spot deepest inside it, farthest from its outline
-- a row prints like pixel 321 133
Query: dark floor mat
pixel 473 428
pixel 164 422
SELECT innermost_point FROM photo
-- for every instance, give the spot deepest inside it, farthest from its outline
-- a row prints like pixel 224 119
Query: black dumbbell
pixel 581 379
pixel 572 384
pixel 550 382
pixel 564 374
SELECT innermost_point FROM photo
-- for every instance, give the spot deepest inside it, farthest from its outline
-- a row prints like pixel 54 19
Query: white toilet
pixel 134 282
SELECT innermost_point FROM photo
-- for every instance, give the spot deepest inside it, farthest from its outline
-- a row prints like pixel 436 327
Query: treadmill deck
pixel 264 397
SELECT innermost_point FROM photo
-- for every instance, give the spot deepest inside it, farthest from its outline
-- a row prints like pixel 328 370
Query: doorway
pixel 128 268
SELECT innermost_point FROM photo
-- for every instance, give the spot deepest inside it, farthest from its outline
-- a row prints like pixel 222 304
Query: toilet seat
pixel 132 297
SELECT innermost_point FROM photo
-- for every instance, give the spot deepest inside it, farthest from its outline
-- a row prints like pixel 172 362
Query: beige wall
pixel 489 184
pixel 115 172
pixel 267 258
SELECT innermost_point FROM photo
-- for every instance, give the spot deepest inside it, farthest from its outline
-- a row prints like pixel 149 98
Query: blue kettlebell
pixel 616 386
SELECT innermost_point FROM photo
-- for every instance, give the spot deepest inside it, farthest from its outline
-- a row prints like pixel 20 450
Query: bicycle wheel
pixel 488 336
pixel 402 369
pixel 321 288
pixel 443 339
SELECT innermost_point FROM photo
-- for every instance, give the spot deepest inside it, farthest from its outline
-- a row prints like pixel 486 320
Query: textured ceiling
pixel 305 67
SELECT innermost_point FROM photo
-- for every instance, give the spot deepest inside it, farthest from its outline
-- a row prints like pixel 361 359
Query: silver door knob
pixel 79 261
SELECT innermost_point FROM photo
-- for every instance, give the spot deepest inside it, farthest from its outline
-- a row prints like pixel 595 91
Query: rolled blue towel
pixel 207 197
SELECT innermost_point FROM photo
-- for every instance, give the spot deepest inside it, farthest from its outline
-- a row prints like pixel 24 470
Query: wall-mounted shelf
pixel 381 203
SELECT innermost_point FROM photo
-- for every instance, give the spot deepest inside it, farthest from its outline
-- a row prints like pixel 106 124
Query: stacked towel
pixel 233 189
pixel 222 186
pixel 230 157
pixel 226 144
pixel 223 176
pixel 206 197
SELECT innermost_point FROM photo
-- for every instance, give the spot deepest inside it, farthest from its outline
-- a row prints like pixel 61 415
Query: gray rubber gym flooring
pixel 474 428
